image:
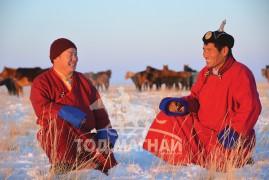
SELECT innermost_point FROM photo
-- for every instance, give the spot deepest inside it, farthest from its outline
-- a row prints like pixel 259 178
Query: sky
pixel 128 35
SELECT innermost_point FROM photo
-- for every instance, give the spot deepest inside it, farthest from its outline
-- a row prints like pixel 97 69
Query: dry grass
pixel 15 130
pixel 6 172
pixel 1 121
pixel 156 170
pixel 9 144
pixel 72 171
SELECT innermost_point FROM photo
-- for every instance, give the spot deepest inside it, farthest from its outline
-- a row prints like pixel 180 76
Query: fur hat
pixel 59 46
pixel 219 37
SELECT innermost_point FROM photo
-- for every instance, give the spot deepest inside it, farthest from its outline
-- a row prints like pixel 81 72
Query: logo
pixel 170 143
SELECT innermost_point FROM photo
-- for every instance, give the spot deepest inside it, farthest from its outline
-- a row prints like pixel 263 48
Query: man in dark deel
pixel 69 109
pixel 213 126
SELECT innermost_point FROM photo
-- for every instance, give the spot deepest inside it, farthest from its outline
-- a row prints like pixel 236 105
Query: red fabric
pixel 215 102
pixel 231 99
pixel 183 140
pixel 171 139
pixel 48 95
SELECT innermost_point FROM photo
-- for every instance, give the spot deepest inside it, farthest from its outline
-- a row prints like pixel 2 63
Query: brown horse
pixel 7 77
pixel 134 78
pixel 171 78
pixel 9 83
pixel 139 79
pixel 26 76
pixel 8 73
pixel 92 77
pixel 99 79
pixel 103 78
pixel 154 76
pixel 168 77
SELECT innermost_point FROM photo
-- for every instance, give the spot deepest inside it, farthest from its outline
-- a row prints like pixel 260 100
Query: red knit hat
pixel 59 46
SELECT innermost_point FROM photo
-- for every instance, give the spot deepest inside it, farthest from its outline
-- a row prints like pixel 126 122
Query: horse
pixel 134 78
pixel 188 69
pixel 103 78
pixel 139 79
pixel 26 76
pixel 169 78
pixel 194 74
pixel 7 77
pixel 9 83
pixel 99 79
pixel 91 77
pixel 154 76
pixel 175 77
pixel 8 73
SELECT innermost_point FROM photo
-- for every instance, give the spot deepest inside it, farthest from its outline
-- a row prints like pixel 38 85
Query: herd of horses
pixel 152 76
pixel 16 79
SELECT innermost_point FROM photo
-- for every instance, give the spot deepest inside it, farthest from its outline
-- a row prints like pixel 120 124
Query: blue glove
pixel 228 138
pixel 72 115
pixel 165 102
pixel 110 134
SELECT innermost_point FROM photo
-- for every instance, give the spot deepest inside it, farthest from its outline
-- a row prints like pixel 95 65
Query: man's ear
pixel 56 59
pixel 225 51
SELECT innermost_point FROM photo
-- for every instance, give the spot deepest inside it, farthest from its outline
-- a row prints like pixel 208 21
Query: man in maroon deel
pixel 75 130
pixel 213 126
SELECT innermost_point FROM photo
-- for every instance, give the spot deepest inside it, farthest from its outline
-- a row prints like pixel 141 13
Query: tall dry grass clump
pixel 16 129
pixel 9 133
pixel 11 129
pixel 9 147
pixel 49 140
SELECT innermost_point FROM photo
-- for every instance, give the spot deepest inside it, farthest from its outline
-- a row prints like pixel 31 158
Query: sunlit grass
pixel 12 130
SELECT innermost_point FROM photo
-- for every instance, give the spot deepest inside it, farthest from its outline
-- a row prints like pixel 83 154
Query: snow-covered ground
pixel 131 113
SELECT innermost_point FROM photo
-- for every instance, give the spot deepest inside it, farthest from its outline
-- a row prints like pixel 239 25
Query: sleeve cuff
pixel 228 138
pixel 72 115
pixel 165 102
pixel 108 133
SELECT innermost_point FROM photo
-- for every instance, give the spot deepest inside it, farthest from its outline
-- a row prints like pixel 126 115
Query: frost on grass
pixel 131 113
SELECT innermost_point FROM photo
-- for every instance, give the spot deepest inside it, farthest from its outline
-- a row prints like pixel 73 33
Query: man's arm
pixel 47 110
pixel 247 106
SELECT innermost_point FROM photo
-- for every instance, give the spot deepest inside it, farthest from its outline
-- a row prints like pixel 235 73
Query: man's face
pixel 214 58
pixel 66 63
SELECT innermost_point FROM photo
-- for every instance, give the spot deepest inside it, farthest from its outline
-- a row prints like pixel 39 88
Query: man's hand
pixel 176 107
